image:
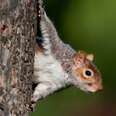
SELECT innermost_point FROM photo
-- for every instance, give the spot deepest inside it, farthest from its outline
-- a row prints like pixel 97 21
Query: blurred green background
pixel 88 25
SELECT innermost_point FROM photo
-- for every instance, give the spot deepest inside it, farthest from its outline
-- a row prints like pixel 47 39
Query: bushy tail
pixel 48 30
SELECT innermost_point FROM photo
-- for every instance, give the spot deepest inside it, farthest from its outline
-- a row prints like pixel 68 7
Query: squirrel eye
pixel 88 73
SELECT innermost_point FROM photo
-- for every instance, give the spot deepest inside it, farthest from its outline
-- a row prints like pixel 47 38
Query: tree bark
pixel 17 33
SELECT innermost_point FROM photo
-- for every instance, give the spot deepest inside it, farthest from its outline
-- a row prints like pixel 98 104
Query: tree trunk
pixel 17 33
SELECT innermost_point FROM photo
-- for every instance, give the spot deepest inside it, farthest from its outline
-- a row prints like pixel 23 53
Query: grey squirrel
pixel 58 65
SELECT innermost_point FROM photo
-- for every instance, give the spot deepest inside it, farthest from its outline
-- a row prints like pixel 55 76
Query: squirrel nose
pixel 100 87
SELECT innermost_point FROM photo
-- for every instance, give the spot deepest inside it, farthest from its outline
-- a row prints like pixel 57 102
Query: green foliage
pixel 88 25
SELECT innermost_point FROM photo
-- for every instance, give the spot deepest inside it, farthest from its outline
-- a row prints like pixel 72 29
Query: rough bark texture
pixel 17 18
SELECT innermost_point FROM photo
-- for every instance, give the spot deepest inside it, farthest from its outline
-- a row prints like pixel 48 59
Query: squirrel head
pixel 86 75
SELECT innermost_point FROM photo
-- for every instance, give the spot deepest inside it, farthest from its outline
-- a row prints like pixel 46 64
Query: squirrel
pixel 57 65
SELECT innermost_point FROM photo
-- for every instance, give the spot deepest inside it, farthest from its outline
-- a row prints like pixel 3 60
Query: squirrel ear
pixel 90 57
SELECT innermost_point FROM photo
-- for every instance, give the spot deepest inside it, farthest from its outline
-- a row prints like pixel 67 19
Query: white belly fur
pixel 47 68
